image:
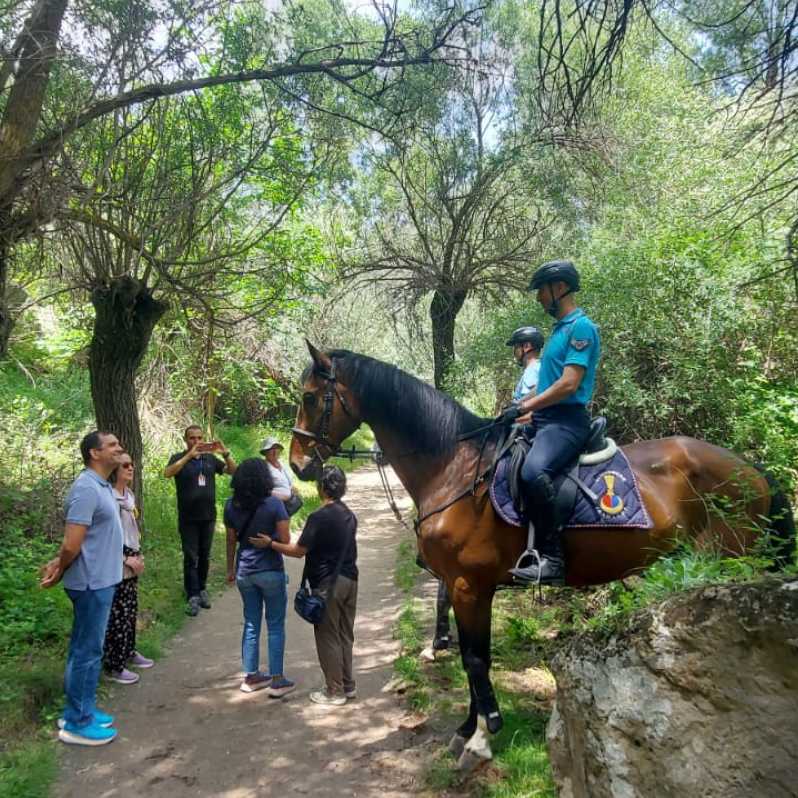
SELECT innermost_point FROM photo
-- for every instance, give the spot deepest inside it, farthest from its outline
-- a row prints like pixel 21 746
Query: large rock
pixel 697 699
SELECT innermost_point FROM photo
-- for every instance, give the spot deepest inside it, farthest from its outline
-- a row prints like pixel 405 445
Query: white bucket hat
pixel 270 443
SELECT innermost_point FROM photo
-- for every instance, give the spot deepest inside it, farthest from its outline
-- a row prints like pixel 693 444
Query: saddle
pixel 597 449
pixel 599 489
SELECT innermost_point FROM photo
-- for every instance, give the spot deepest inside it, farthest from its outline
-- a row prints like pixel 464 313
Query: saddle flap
pixel 518 453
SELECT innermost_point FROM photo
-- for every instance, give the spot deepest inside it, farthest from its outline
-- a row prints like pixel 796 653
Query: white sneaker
pixel 324 698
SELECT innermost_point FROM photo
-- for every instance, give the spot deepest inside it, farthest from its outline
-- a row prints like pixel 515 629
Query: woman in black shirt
pixel 327 539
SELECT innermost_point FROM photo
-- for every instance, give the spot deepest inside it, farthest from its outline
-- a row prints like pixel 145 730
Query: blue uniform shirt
pixel 574 341
pixel 91 503
pixel 528 382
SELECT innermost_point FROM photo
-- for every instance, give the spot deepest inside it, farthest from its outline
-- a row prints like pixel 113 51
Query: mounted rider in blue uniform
pixel 560 421
pixel 526 343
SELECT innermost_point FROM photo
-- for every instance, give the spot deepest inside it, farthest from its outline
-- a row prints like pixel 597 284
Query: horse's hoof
pixel 456 745
pixel 428 654
pixel 477 750
pixel 469 761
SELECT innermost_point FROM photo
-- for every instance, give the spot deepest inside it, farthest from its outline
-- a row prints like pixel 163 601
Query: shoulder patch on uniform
pixel 580 343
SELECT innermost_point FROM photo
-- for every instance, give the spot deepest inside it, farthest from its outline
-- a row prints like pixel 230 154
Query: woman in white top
pixel 283 480
pixel 119 650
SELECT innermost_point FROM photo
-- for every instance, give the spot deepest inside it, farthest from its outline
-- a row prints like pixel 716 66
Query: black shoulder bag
pixel 293 504
pixel 309 606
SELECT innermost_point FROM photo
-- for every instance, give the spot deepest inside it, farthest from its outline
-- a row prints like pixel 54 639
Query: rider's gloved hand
pixel 509 415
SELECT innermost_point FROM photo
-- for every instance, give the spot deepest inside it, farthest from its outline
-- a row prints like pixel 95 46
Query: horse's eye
pixel 309 400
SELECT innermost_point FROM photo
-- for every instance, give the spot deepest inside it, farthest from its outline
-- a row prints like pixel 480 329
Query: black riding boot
pixel 543 562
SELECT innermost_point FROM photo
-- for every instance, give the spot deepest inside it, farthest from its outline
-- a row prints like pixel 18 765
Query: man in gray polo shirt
pixel 90 564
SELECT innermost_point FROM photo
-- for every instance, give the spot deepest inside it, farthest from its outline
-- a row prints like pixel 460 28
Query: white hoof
pixel 477 750
pixel 428 654
pixel 456 745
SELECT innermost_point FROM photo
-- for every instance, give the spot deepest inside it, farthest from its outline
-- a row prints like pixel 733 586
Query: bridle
pixel 321 436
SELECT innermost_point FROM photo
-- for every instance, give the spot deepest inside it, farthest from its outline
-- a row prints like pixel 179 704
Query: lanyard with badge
pixel 201 479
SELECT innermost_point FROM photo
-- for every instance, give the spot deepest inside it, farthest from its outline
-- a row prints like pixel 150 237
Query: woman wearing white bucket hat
pixel 283 480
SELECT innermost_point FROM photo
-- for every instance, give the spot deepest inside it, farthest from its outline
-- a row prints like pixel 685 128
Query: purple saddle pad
pixel 617 496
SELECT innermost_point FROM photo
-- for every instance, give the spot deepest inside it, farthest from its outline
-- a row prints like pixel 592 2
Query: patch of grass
pixel 520 752
pixel 406 571
pixel 28 770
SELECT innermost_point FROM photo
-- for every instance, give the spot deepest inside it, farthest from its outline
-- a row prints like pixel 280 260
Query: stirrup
pixel 518 570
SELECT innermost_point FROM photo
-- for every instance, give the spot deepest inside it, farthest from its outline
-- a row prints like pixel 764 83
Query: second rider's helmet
pixel 553 272
pixel 524 335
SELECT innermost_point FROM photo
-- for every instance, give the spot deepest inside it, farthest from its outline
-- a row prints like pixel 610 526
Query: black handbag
pixel 311 606
pixel 293 504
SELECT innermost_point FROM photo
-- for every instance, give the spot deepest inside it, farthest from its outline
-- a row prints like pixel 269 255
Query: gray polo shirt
pixel 91 503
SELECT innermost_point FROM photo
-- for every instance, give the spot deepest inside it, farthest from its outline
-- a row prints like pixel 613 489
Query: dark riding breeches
pixel 560 433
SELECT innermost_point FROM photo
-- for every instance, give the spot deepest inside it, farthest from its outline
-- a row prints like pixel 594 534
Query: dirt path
pixel 186 729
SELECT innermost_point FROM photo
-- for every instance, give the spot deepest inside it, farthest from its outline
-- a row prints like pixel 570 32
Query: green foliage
pixel 27 771
pixel 685 570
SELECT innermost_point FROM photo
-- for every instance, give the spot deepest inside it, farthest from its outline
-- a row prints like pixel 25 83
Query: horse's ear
pixel 320 360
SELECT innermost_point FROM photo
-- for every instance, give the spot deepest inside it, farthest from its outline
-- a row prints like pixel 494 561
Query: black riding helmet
pixel 523 335
pixel 555 271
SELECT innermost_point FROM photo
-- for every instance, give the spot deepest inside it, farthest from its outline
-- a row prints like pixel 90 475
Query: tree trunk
pixel 38 47
pixel 6 321
pixel 125 316
pixel 443 313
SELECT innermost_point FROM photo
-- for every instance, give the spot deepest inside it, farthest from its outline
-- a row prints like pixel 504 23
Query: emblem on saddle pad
pixel 610 503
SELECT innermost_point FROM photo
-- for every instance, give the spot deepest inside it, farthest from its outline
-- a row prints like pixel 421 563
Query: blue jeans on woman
pixel 84 658
pixel 263 593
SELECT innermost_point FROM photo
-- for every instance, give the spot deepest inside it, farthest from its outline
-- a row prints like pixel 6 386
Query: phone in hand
pixel 210 446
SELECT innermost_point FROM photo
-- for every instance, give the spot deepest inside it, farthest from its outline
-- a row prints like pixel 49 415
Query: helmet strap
pixel 553 309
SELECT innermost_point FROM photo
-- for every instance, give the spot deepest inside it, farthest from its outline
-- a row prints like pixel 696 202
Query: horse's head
pixel 327 416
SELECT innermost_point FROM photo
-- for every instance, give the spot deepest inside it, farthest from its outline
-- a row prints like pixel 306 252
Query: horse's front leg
pixel 467 728
pixel 472 608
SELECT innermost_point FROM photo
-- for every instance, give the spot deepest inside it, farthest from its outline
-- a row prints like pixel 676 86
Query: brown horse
pixel 693 491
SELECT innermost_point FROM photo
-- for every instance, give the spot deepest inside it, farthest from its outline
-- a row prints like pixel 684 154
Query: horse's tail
pixel 781 523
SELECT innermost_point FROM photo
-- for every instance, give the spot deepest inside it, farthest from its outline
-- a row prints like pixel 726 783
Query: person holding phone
pixel 194 471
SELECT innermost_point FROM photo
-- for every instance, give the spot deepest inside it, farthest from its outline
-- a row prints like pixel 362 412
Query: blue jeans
pixel 84 658
pixel 263 593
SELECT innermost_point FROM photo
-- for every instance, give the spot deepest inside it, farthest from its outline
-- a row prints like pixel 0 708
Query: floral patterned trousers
pixel 120 636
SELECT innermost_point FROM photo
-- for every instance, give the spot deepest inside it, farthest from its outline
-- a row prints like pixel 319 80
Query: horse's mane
pixel 387 394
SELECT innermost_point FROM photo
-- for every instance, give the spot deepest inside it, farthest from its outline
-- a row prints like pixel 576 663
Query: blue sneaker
pixel 100 719
pixel 103 718
pixel 87 735
pixel 280 687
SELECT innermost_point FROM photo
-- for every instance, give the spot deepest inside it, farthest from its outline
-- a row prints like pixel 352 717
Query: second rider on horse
pixel 560 420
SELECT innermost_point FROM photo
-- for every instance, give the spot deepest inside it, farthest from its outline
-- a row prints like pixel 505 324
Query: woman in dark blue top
pixel 258 571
